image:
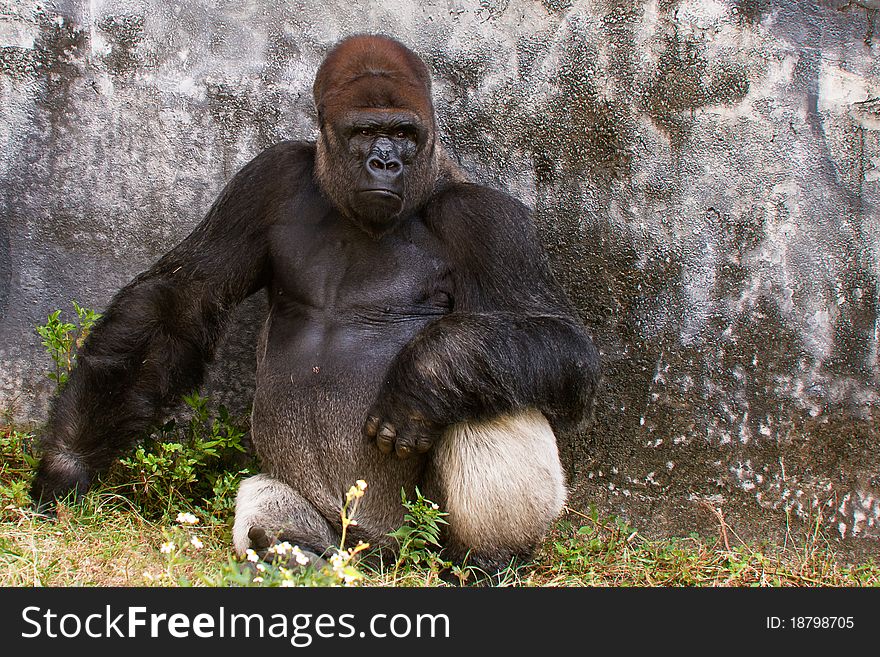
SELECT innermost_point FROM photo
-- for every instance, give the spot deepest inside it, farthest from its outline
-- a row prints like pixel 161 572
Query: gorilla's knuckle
pixel 371 426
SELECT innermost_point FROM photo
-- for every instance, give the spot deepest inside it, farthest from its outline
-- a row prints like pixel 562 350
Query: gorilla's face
pixel 374 166
pixel 376 155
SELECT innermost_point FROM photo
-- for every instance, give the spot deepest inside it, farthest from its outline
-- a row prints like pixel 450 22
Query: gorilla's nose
pixel 385 166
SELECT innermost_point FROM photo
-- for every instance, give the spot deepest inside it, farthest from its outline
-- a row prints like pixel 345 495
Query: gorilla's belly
pixel 316 378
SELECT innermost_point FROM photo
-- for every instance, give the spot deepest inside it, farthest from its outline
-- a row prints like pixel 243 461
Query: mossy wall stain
pixel 751 11
pixel 569 132
pixel 686 81
pixel 579 132
pixel 125 37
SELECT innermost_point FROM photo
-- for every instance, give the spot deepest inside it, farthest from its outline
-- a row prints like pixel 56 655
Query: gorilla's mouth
pixel 382 194
pixel 379 202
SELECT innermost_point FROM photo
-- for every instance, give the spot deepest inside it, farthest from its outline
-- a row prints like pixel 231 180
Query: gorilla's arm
pixel 159 331
pixel 512 341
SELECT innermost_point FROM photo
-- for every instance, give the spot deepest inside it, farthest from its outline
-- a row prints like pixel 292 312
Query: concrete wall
pixel 706 176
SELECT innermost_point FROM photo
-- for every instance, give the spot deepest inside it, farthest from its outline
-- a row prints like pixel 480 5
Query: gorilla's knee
pixel 502 484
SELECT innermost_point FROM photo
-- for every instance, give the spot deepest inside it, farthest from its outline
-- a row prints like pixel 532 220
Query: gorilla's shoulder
pixel 473 205
pixel 289 152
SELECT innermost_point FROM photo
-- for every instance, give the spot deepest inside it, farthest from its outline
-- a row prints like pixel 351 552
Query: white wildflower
pixel 186 518
pixel 339 559
pixel 300 556
pixel 252 556
pixel 196 543
pixel 166 548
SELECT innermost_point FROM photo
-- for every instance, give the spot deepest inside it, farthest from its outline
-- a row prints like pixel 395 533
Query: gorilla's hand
pixel 61 473
pixel 396 428
pixel 401 421
pixel 438 379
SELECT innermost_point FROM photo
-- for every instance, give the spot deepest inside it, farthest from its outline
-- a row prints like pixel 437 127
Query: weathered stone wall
pixel 706 176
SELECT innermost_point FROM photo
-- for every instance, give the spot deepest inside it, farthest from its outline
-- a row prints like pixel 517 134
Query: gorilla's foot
pixel 283 551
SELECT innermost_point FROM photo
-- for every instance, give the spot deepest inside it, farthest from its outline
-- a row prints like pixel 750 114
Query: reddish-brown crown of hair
pixel 373 71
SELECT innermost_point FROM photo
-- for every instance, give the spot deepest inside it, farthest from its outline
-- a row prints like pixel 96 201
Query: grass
pixel 106 539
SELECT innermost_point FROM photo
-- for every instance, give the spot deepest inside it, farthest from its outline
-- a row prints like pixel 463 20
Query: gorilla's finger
pixel 385 438
pixel 371 426
pixel 405 445
pixel 423 444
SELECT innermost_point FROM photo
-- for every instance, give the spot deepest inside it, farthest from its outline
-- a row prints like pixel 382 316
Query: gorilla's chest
pixel 340 298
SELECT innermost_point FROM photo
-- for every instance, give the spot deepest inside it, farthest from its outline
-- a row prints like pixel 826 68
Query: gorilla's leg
pixel 269 511
pixel 501 483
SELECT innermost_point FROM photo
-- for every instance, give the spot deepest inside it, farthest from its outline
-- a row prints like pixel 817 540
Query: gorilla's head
pixel 377 154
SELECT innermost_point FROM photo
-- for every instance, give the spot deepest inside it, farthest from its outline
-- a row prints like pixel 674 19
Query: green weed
pixel 62 340
pixel 197 466
pixel 419 536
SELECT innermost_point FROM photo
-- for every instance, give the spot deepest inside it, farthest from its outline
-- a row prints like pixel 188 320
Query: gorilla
pixel 415 337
